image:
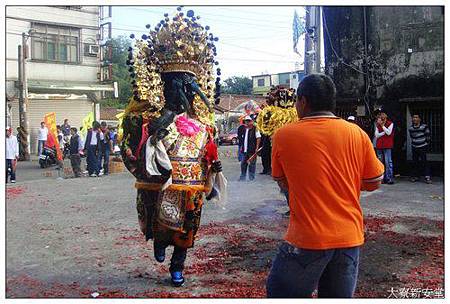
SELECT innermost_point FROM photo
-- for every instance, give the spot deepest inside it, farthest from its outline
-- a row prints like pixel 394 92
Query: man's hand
pixel 282 183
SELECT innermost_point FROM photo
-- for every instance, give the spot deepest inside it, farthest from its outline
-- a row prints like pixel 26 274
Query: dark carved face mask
pixel 179 91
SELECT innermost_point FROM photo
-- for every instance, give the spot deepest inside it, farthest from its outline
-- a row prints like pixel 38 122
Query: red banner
pixel 52 138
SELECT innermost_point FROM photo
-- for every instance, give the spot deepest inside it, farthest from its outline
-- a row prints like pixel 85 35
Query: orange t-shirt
pixel 324 160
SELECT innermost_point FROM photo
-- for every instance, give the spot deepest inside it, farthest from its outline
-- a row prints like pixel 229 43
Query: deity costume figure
pixel 278 111
pixel 167 139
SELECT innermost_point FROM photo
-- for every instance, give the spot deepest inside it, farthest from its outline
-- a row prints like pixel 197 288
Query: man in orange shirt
pixel 324 162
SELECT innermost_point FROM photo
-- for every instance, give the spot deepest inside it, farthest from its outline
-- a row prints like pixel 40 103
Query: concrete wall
pixel 405 61
pixel 403 43
pixel 19 19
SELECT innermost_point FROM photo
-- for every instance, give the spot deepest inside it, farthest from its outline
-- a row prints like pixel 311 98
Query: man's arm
pixel 371 184
pixel 427 134
pixel 378 134
pixel 258 142
pixel 388 130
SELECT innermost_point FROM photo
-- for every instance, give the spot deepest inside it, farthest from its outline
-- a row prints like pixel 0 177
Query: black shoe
pixel 391 182
pixel 413 179
pixel 160 254
pixel 263 172
pixel 242 179
pixel 177 278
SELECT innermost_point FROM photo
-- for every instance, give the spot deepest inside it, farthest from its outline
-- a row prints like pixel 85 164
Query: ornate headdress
pixel 279 111
pixel 179 44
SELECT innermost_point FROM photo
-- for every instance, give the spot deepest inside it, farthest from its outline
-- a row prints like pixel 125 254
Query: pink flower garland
pixel 186 126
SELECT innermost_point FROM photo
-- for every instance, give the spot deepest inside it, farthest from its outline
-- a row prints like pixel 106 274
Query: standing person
pixel 420 141
pixel 241 135
pixel 12 155
pixel 324 169
pixel 76 147
pixel 252 139
pixel 105 149
pixel 266 154
pixel 384 134
pixel 66 128
pixel 42 137
pixel 92 148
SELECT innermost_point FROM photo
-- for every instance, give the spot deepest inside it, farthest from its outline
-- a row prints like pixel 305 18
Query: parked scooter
pixel 48 157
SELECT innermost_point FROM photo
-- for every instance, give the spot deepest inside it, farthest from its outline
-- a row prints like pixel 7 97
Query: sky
pixel 253 40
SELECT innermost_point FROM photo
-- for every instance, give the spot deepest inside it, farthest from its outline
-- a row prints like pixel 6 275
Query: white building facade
pixel 62 63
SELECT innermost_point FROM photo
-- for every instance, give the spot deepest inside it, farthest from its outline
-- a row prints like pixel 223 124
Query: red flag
pixel 52 137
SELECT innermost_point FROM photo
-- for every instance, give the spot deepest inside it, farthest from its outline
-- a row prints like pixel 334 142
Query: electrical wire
pixel 209 14
pixel 334 51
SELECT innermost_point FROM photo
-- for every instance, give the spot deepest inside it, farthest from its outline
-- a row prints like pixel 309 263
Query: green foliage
pixel 238 85
pixel 113 103
pixel 121 75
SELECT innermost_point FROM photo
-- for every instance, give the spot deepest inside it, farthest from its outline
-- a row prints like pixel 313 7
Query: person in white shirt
pixel 42 137
pixel 12 155
pixel 251 142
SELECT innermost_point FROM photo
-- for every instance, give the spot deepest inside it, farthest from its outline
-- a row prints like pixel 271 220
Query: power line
pixel 334 51
pixel 208 14
pixel 226 21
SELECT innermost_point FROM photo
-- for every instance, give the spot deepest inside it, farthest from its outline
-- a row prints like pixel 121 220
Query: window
pixel 261 82
pixel 55 43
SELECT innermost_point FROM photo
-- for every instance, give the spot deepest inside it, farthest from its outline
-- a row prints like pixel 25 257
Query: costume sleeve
pixel 277 169
pixel 388 130
pixel 373 169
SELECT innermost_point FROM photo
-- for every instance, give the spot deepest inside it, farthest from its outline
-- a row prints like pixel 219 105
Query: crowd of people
pixel 97 149
pixel 251 144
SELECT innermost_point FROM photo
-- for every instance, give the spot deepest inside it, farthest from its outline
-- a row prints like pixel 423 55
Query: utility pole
pixel 308 41
pixel 317 38
pixel 23 99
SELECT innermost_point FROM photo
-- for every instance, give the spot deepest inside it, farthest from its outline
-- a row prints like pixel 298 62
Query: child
pixel 76 147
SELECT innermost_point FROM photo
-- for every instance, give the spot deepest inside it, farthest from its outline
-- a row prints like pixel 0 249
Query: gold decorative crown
pixel 281 97
pixel 179 44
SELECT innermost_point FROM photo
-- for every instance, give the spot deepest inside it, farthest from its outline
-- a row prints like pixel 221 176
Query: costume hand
pixel 216 166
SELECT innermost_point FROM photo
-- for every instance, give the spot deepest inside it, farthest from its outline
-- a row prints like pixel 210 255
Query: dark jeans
pixel 286 195
pixel 385 156
pixel 421 164
pixel 104 155
pixel 251 167
pixel 75 161
pixel 11 171
pixel 178 257
pixel 297 272
pixel 266 159
pixel 92 160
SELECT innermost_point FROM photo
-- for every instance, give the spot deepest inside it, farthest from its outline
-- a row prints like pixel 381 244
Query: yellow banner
pixel 87 123
pixel 50 123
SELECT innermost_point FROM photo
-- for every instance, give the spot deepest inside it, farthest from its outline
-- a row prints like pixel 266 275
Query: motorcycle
pixel 48 157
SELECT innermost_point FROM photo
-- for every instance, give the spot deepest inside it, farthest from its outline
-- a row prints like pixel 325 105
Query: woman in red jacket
pixel 384 134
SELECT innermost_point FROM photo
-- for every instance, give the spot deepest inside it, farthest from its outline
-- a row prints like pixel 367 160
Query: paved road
pixel 82 233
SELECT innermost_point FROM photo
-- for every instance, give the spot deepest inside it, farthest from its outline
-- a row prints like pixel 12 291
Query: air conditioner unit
pixel 94 49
